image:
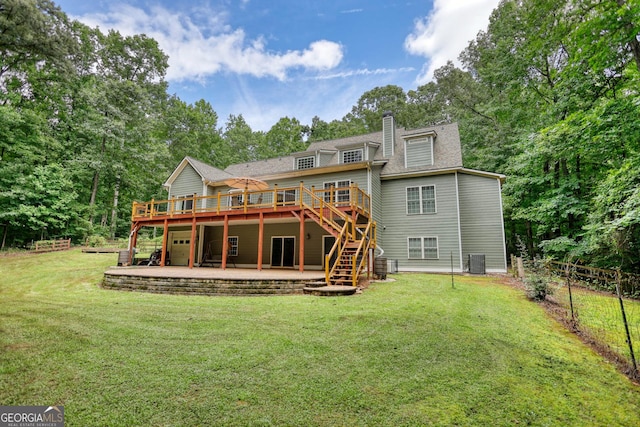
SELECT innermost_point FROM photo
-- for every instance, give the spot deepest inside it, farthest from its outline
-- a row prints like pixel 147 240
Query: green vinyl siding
pixel 358 177
pixel 325 159
pixel 481 221
pixel 189 182
pixel 419 152
pixel 398 230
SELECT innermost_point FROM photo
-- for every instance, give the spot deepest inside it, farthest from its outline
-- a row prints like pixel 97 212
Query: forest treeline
pixel 548 95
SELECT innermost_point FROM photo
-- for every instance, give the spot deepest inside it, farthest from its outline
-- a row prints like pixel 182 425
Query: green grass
pixel 599 314
pixel 412 352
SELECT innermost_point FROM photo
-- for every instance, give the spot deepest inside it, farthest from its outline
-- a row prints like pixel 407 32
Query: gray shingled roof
pixel 447 153
pixel 208 172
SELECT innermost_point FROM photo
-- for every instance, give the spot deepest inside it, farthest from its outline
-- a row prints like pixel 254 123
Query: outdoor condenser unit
pixel 476 264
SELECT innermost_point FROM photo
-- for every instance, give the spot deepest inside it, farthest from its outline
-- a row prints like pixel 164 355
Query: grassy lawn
pixel 411 352
pixel 599 314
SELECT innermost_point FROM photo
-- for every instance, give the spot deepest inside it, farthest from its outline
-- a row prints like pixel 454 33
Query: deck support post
pixel 192 244
pixel 132 243
pixel 260 240
pixel 225 242
pixel 165 237
pixel 301 246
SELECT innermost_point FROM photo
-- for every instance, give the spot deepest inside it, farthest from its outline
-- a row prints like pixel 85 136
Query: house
pixel 400 194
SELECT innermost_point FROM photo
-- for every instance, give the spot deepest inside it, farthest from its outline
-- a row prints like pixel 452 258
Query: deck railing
pixel 243 201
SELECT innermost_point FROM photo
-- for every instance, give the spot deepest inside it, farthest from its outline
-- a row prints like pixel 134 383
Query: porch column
pixel 165 236
pixel 192 245
pixel 301 246
pixel 225 242
pixel 260 240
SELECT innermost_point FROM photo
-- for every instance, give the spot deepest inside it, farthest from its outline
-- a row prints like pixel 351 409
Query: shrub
pixel 538 286
pixel 96 241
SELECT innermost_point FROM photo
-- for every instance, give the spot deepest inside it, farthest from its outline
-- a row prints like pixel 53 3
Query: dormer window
pixel 305 162
pixel 352 156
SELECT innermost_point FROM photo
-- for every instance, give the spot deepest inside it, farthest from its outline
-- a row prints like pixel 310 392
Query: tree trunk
pixel 4 236
pixel 94 192
pixel 96 180
pixel 634 44
pixel 114 209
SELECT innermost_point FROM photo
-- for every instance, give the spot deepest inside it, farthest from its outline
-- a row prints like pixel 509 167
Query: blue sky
pixel 292 58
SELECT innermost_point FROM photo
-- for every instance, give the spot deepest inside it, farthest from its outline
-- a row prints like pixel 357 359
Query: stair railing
pixel 366 242
pixel 322 208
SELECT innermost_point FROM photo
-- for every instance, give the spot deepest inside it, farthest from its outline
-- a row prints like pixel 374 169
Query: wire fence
pixel 593 302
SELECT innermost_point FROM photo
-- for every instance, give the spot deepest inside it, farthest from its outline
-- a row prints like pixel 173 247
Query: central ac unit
pixel 477 264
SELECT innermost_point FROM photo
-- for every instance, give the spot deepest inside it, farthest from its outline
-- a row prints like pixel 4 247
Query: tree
pixel 118 106
pixel 372 104
pixel 32 31
pixel 41 201
pixel 285 137
pixel 191 130
pixel 240 140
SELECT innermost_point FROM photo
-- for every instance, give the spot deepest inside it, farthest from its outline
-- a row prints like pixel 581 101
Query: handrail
pixel 338 247
pixel 367 236
pixel 245 200
pixel 324 205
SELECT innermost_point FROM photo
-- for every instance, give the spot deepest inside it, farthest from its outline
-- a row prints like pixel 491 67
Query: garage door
pixel 179 246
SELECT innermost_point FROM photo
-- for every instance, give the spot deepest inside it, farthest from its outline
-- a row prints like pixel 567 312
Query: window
pixel 430 245
pixel 352 156
pixel 236 198
pixel 422 247
pixel 184 203
pixel 421 200
pixel 305 162
pixel 340 192
pixel 233 246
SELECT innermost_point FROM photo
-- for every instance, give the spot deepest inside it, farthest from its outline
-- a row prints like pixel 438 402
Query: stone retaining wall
pixel 202 286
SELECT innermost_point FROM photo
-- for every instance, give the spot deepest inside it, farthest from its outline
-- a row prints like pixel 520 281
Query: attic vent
pixel 388 134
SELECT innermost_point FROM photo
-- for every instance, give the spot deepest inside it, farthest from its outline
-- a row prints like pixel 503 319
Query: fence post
pixel 624 319
pixel 570 294
pixel 520 268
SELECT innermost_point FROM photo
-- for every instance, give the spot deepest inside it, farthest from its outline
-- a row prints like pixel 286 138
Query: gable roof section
pixel 447 152
pixel 207 172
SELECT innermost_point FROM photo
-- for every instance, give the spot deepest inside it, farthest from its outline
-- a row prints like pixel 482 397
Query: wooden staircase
pixel 342 273
pixel 353 241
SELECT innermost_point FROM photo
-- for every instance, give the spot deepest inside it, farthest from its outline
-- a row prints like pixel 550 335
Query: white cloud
pixel 364 72
pixel 200 50
pixel 447 31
